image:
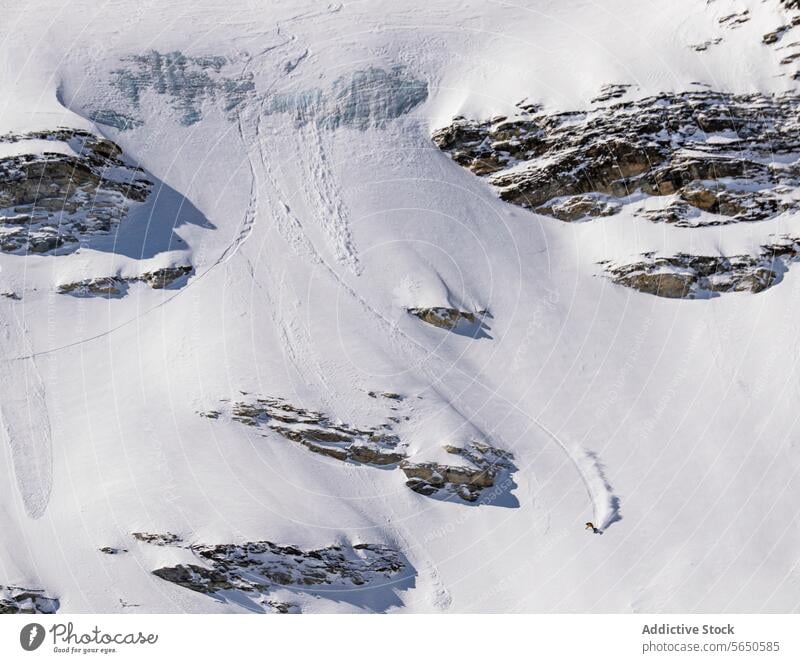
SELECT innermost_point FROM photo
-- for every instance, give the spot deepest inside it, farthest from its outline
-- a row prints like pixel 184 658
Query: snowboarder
pixel 590 525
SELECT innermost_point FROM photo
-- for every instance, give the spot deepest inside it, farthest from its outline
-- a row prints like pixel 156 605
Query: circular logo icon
pixel 31 636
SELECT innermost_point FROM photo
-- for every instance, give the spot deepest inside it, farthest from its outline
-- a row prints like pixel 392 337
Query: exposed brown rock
pixel 166 276
pixel 53 200
pixel 318 433
pixel 440 316
pixel 104 287
pixel 257 569
pixel 579 165
pixel 116 286
pixel 687 277
pixel 486 464
pixel 157 539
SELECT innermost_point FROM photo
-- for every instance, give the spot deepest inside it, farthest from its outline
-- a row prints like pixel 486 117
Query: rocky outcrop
pixel 111 550
pixel 165 277
pixel 385 394
pixel 735 19
pixel 486 464
pixel 712 157
pixel 117 286
pixel 463 323
pixel 52 201
pixel 686 276
pixel 257 569
pixel 439 316
pixel 196 578
pixel 577 208
pixel 705 45
pixel 157 539
pixel 319 433
pixel 774 36
pixel 784 38
pixel 611 91
pixel 107 286
pixel 19 600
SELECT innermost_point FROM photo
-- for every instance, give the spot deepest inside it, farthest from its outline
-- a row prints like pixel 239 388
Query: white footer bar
pixel 406 638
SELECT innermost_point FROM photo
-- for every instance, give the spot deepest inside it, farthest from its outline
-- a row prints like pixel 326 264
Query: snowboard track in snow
pixel 26 424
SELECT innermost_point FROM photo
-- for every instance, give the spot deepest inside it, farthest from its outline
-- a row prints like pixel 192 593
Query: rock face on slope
pixel 694 159
pixel 689 277
pixel 485 464
pixel 117 286
pixel 257 569
pixel 19 600
pixel 319 433
pixel 710 158
pixel 483 468
pixel 783 38
pixel 442 317
pixel 157 538
pixel 464 323
pixel 52 201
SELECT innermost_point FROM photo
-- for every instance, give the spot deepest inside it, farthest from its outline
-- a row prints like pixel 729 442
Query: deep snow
pixel 314 214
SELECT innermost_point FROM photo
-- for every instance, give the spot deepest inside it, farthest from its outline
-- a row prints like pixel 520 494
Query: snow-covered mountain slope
pixel 289 324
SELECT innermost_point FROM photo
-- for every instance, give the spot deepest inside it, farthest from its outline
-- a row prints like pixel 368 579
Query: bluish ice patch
pixel 188 81
pixel 112 118
pixel 363 99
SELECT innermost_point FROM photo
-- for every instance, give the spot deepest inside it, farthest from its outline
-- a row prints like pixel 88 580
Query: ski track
pixel 286 313
pixel 248 223
pixel 25 421
pixel 300 350
pixel 605 503
pixel 439 595
pixel 298 344
pixel 323 196
pixel 294 335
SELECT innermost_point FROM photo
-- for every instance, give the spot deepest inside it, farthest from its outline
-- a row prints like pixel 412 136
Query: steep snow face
pixel 310 340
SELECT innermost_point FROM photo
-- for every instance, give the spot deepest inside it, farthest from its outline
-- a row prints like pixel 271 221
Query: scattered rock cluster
pixel 257 569
pixel 117 286
pixel 689 277
pixel 612 91
pixel 483 464
pixel 319 433
pixel 705 45
pixel 111 550
pixel 486 463
pixel 53 201
pixel 734 20
pixel 464 323
pixel 157 539
pixel 440 316
pixel 780 37
pixel 18 600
